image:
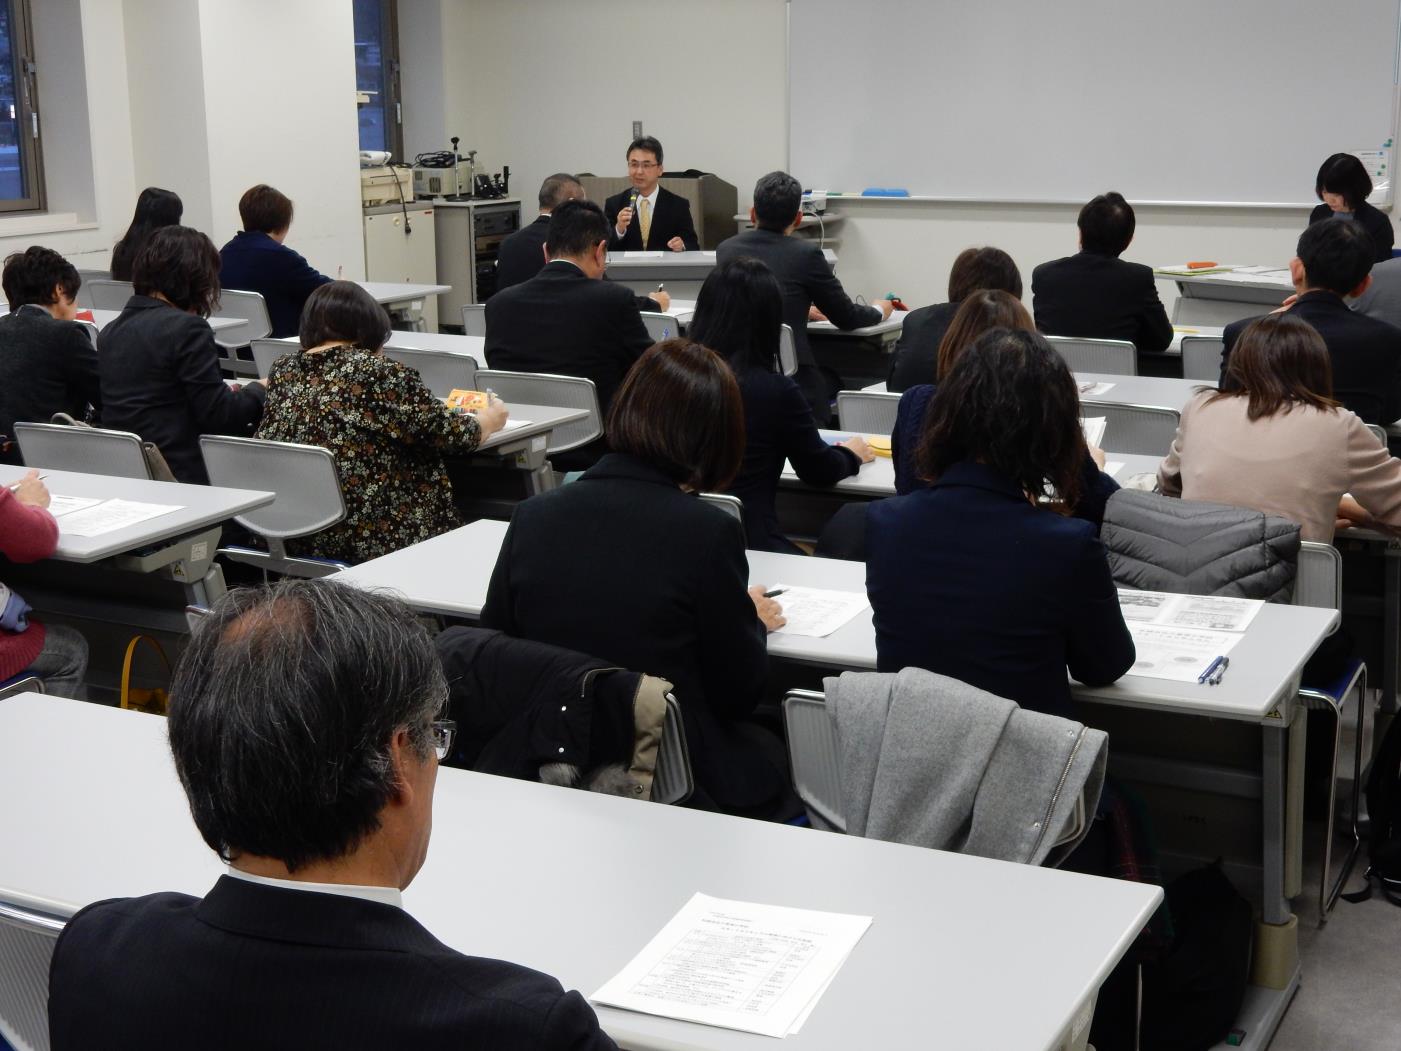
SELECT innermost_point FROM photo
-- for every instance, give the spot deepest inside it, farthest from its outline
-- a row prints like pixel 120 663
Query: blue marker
pixel 1210 668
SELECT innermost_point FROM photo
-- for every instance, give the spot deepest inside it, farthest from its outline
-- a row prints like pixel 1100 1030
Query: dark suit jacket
pixel 916 356
pixel 159 369
pixel 522 255
pixel 564 322
pixel 968 579
pixel 806 279
pixel 777 426
pixel 623 566
pixel 1366 354
pixel 1098 296
pixel 46 366
pixel 254 262
pixel 258 966
pixel 1376 222
pixel 671 218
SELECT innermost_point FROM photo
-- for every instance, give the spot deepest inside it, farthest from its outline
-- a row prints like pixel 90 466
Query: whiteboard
pixel 1199 101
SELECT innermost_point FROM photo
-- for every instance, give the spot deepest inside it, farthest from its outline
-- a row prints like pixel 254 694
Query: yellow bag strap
pixel 130 655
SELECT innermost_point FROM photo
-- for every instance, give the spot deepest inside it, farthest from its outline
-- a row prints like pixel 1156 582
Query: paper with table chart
pixel 816 612
pixel 1176 636
pixel 1212 612
pixel 1095 389
pixel 107 516
pixel 1093 426
pixel 735 964
pixel 62 505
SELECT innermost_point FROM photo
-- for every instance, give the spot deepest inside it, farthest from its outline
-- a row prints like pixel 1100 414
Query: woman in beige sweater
pixel 1274 439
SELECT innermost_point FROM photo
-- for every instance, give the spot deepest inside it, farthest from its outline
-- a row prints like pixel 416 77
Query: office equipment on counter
pixel 445 173
pixel 383 184
pixel 470 233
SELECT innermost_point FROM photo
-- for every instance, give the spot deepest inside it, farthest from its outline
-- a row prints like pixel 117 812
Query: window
pixel 21 179
pixel 377 76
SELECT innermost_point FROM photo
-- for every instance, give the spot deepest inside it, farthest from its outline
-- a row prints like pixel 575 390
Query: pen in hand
pixel 774 593
pixel 661 286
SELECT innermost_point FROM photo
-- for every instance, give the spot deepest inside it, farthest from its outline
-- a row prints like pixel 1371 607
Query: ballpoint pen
pixel 1205 676
pixel 1215 680
pixel 774 593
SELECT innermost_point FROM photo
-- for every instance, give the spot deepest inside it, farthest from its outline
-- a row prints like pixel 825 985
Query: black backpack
pixel 1384 814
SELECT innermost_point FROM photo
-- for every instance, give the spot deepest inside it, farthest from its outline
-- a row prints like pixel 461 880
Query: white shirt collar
pixel 384 895
pixel 650 198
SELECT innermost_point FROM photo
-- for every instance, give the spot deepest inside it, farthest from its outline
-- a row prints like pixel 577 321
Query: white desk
pixel 888 330
pixel 473 347
pixel 404 301
pixel 963 952
pixel 523 448
pixel 1158 391
pixel 683 273
pixel 102 318
pixel 1219 299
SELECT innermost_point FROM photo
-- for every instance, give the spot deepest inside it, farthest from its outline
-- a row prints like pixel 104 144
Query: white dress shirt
pixel 384 895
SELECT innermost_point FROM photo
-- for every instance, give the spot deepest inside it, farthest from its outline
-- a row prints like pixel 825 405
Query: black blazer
pixel 778 426
pixel 159 369
pixel 522 255
pixel 623 566
pixel 916 357
pixel 968 579
pixel 1376 222
pixel 564 322
pixel 46 366
pixel 254 262
pixel 253 965
pixel 1366 354
pixel 670 218
pixel 1098 296
pixel 806 279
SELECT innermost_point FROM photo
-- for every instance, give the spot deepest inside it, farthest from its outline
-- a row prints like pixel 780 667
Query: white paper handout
pixel 1093 427
pixel 111 515
pixel 1089 387
pixel 1179 654
pixel 1212 612
pixel 511 425
pixel 1113 467
pixel 816 612
pixel 738 965
pixel 62 505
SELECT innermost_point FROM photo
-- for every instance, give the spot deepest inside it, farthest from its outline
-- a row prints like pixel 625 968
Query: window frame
pixel 31 145
pixel 389 75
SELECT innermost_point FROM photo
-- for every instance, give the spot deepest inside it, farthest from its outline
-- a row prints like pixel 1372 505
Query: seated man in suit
pixel 1334 259
pixel 1382 298
pixel 567 319
pixel 805 277
pixel 303 727
pixel 1097 295
pixel 646 217
pixel 257 260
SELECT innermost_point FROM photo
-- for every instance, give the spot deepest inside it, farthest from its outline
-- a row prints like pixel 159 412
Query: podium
pixel 713 200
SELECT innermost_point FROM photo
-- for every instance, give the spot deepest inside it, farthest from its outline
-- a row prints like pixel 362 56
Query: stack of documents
pixel 1178 636
pixel 84 516
pixel 1183 270
pixel 756 968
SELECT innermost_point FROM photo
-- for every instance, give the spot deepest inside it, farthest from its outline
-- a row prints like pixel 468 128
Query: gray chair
pixel 442 373
pixel 474 319
pixel 673 781
pixel 91 450
pixel 787 351
pixel 1115 357
pixel 84 296
pixel 106 294
pixel 91 330
pixel 1145 430
pixel 659 326
pixel 868 412
pixel 267 351
pixel 309 498
pixel 24 684
pixel 1201 358
pixel 1320 584
pixel 253 310
pixel 731 505
pixel 538 388
pixel 27 941
pixel 1379 431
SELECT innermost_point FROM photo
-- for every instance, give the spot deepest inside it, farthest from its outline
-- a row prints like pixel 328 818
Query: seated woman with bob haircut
pixel 628 566
pixel 387 431
pixel 1343 186
pixel 1274 439
pixel 975 577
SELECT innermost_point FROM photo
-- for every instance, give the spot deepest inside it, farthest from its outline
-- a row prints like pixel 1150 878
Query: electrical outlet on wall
pixel 637 129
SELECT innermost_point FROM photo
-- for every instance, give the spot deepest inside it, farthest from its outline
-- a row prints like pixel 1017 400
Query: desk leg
pixel 1277 936
pixel 540 479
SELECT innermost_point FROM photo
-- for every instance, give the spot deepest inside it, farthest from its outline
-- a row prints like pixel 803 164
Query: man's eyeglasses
pixel 642 166
pixel 444 730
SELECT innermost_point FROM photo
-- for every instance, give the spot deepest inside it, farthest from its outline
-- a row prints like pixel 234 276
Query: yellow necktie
pixel 646 220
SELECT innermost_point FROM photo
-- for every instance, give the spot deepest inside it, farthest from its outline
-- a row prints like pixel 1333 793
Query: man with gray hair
pixel 304 724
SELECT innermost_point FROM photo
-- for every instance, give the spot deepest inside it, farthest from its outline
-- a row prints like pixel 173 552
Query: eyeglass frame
pixel 444 732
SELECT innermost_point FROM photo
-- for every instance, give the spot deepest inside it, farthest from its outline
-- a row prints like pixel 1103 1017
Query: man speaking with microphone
pixel 646 217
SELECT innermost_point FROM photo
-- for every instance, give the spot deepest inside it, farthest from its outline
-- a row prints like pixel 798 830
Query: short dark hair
pixel 739 313
pixel 32 275
pixel 155 208
pixel 980 313
pixel 343 312
pixel 181 264
pixel 979 268
pixel 557 189
pixel 679 409
pixel 1278 362
pixel 1106 224
pixel 1011 403
pixel 576 228
pixel 648 143
pixel 1345 174
pixel 777 198
pixel 1336 253
pixel 282 711
pixel 265 210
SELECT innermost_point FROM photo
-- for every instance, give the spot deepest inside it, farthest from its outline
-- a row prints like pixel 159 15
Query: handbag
pixel 152 700
pixel 156 466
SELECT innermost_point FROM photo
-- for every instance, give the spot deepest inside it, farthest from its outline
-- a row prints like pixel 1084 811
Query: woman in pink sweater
pixel 56 654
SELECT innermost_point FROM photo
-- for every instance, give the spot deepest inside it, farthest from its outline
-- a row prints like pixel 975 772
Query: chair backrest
pixel 474 319
pixel 22 683
pixel 1380 432
pixel 731 505
pixel 1144 430
pixel 26 948
pixel 869 412
pixel 538 388
pixel 91 330
pixel 659 326
pixel 442 373
pixel 252 308
pixel 88 449
pixel 787 351
pixel 84 296
pixel 267 351
pixel 1113 356
pixel 304 477
pixel 1320 579
pixel 1201 357
pixel 672 780
pixel 106 294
